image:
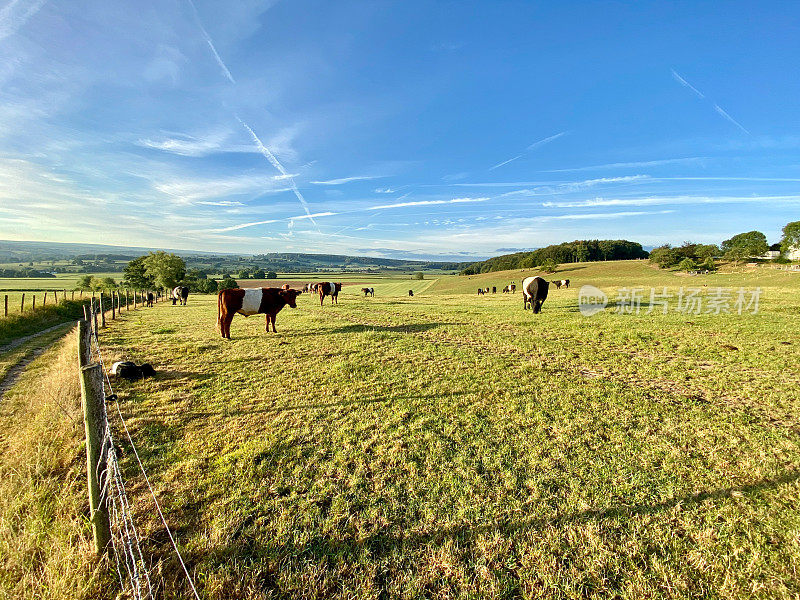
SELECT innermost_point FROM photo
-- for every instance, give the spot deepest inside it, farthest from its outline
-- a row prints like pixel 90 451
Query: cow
pixel 368 291
pixel 513 288
pixel 506 289
pixel 561 283
pixel 252 301
pixel 150 298
pixel 331 289
pixel 180 294
pixel 534 290
pixel 480 292
pixel 410 293
pixel 494 289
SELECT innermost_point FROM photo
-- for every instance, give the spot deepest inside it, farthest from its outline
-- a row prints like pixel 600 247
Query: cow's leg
pixel 271 317
pixel 321 298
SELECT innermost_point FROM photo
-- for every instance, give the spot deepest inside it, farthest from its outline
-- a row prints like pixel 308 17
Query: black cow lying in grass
pixel 534 290
pixel 126 369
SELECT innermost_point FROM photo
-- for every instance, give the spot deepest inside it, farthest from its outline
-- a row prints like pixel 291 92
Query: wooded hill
pixel 577 251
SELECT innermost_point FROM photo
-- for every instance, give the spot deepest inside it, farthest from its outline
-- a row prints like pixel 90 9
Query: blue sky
pixel 408 128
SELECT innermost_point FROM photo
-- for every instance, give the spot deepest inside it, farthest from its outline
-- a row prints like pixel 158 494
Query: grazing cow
pixel 557 284
pixel 534 290
pixel 513 287
pixel 506 289
pixel 565 283
pixel 331 289
pixel 252 301
pixel 561 283
pixel 480 292
pixel 368 291
pixel 410 293
pixel 150 298
pixel 494 289
pixel 180 294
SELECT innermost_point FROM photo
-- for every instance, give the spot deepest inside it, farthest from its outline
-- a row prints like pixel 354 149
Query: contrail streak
pixel 15 14
pixel 220 62
pixel 276 163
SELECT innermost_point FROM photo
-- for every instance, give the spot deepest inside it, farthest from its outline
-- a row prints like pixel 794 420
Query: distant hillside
pixel 568 252
pixel 91 257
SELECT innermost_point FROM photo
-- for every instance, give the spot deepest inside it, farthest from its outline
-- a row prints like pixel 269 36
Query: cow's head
pixel 290 295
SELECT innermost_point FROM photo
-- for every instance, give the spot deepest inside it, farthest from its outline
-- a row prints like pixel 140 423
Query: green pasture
pixel 456 446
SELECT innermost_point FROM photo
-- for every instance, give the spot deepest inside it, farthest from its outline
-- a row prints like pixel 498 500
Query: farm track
pixel 11 376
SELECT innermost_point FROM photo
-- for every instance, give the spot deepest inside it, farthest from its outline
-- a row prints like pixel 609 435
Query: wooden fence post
pixel 73 295
pixel 44 300
pixel 55 296
pixel 102 313
pixel 94 318
pixel 5 307
pixel 33 306
pixel 113 307
pixel 22 306
pixel 95 423
pixel 127 300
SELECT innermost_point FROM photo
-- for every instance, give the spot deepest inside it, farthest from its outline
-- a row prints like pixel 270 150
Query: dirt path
pixel 25 338
pixel 13 374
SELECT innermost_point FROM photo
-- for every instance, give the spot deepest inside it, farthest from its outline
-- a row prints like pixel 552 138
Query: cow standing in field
pixel 513 288
pixel 410 293
pixel 180 294
pixel 328 288
pixel 368 291
pixel 480 292
pixel 150 298
pixel 534 290
pixel 253 301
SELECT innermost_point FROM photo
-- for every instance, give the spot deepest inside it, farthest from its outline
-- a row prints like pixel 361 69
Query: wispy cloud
pixel 720 111
pixel 427 203
pixel 636 164
pixel 15 14
pixel 343 180
pixel 533 146
pixel 661 200
pixel 268 221
pixel 220 62
pixel 193 146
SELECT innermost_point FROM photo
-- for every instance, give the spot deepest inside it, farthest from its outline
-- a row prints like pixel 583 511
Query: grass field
pixel 454 446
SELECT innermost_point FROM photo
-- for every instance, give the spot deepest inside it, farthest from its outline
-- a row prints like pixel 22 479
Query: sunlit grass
pixel 449 445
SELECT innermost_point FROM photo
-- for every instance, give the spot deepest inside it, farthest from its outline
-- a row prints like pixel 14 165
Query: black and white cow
pixel 252 301
pixel 180 294
pixel 534 290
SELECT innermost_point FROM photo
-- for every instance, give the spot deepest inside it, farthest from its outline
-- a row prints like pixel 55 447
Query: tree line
pixel 164 270
pixel 567 252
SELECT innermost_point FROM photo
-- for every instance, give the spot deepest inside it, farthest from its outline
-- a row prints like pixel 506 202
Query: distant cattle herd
pixel 269 301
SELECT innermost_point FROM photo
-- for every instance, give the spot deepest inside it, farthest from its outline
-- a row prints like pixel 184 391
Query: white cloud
pixel 343 180
pixel 427 203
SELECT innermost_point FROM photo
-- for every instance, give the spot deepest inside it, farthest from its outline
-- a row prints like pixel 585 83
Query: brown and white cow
pixel 252 301
pixel 368 291
pixel 328 288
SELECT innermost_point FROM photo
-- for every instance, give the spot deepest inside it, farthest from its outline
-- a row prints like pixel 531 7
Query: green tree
pixel 244 274
pixel 166 269
pixel 549 266
pixel 418 275
pixel 745 245
pixel 207 286
pixel 135 275
pixel 687 264
pixel 84 283
pixel 791 237
pixel 581 253
pixel 259 274
pixel 227 283
pixel 271 275
pixel 709 264
pixel 103 283
pixel 705 251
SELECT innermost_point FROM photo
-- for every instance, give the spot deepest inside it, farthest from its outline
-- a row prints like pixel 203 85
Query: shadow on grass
pixel 409 328
pixel 246 411
pixel 246 545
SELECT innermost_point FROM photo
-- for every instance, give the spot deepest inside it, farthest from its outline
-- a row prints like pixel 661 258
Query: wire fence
pixel 122 538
